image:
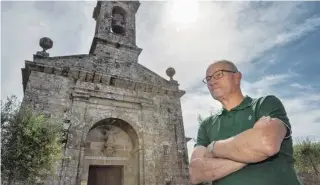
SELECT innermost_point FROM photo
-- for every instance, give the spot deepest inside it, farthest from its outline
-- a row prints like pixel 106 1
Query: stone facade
pixel 116 111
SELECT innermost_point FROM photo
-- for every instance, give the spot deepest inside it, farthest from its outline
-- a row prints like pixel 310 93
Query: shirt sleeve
pixel 202 138
pixel 273 107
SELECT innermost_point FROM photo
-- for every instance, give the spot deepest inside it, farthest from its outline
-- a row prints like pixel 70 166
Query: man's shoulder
pixel 267 99
pixel 267 105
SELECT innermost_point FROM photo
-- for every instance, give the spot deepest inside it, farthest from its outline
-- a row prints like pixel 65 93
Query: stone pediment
pixel 97 69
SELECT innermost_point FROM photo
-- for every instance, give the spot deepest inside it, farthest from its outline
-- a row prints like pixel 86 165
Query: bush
pixel 31 144
pixel 307 161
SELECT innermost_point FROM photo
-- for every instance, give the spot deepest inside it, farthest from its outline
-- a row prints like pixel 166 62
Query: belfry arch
pixel 111 153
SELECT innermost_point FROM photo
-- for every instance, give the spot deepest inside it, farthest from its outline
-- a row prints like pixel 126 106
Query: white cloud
pixel 300 86
pixel 303 109
pixel 69 24
pixel 309 25
pixel 264 85
pixel 304 115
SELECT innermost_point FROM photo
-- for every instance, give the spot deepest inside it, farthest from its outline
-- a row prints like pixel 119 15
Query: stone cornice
pixel 98 78
pixel 105 65
pixel 127 47
pixel 109 96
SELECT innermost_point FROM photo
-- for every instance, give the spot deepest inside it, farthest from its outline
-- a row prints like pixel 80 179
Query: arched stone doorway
pixel 111 154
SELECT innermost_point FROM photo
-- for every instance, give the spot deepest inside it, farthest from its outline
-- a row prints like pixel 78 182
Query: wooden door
pixel 105 175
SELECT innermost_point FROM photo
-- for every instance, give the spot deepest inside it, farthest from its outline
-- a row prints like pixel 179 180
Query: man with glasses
pixel 248 142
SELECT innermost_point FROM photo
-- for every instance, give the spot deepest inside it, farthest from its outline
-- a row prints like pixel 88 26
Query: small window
pixel 112 81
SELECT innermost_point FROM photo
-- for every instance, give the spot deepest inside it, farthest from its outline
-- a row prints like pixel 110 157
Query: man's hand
pixel 253 145
pixel 204 167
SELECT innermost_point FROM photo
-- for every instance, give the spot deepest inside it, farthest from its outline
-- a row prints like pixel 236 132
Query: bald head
pixel 223 79
pixel 226 63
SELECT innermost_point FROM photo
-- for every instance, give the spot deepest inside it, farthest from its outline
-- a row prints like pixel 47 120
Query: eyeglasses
pixel 217 75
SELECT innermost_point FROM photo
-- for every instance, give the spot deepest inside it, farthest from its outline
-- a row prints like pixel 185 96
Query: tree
pixel 30 143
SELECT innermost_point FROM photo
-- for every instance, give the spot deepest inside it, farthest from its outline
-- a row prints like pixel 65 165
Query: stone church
pixel 123 122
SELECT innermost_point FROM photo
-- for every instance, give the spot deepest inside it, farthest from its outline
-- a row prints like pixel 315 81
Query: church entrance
pixel 111 154
pixel 105 175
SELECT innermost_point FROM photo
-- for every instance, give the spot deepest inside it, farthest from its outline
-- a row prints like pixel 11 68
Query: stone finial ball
pixel 45 43
pixel 170 72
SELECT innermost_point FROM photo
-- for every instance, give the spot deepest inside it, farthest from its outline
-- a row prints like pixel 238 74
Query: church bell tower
pixel 115 33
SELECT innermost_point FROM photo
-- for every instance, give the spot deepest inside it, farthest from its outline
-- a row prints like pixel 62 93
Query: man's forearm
pixel 253 145
pixel 204 167
pixel 246 147
pixel 211 169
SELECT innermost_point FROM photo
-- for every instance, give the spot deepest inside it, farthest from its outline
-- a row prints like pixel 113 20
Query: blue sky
pixel 275 44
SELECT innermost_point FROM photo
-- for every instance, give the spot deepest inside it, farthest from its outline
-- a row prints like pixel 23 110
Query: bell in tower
pixel 118 20
pixel 115 35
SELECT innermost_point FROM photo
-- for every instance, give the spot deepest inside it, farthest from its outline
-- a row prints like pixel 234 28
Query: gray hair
pixel 231 65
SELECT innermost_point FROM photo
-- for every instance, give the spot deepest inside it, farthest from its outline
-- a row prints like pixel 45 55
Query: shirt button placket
pixel 229 119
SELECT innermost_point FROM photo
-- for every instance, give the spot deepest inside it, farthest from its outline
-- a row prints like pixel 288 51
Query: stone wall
pixel 160 154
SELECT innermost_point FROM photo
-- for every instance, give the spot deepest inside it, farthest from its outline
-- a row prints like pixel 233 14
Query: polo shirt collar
pixel 246 102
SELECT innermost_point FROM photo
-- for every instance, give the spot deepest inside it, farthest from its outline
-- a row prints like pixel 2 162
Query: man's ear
pixel 238 78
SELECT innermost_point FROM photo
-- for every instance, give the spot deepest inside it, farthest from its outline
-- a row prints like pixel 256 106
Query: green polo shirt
pixel 276 170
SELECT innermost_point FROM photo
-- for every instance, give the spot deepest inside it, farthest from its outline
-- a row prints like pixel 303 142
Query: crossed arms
pixel 230 155
pixel 204 167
